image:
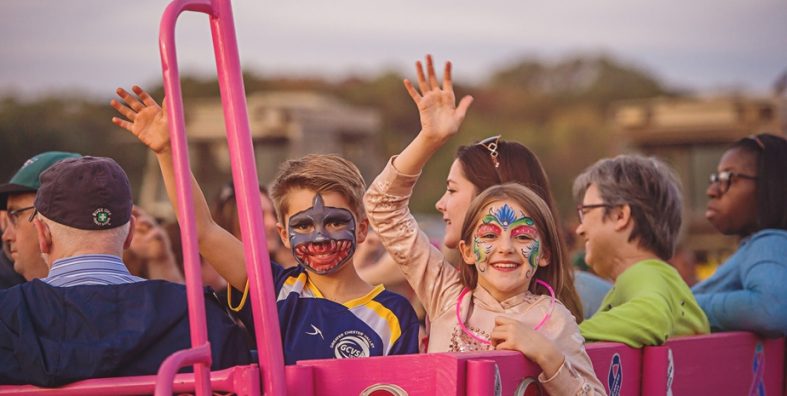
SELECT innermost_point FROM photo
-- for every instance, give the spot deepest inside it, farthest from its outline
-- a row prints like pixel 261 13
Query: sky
pixel 88 47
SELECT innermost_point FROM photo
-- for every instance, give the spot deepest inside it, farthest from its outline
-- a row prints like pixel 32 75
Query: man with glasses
pixel 630 215
pixel 16 199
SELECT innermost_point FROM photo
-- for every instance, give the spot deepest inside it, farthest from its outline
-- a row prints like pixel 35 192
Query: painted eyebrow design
pixel 525 229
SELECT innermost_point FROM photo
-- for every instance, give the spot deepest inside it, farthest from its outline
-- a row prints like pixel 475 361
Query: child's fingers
pixel 125 111
pixel 431 74
pixel 146 98
pixel 123 124
pixel 501 320
pixel 464 104
pixel 130 100
pixel 412 91
pixel 448 84
pixel 419 69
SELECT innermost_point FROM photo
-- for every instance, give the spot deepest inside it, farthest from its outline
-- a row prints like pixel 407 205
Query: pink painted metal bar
pixel 241 380
pixel 244 176
pixel 174 101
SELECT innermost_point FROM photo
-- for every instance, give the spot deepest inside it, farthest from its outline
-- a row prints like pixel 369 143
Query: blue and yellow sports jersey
pixel 312 327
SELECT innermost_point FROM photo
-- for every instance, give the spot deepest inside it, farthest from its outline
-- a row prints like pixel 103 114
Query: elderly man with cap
pixel 17 197
pixel 90 317
pixel 83 221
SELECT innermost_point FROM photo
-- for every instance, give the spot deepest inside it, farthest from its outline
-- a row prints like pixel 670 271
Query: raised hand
pixel 150 241
pixel 440 116
pixel 143 117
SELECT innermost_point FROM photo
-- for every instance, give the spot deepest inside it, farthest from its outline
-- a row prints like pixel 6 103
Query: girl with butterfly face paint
pixel 517 309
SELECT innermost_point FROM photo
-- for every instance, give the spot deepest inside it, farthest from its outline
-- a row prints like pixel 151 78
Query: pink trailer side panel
pixel 735 363
pixel 617 366
pixel 428 374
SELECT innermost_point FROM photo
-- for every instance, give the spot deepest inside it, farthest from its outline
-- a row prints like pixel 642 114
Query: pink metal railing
pixel 244 174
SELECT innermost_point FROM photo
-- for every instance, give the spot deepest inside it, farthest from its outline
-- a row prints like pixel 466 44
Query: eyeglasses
pixel 490 144
pixel 583 209
pixel 13 215
pixel 725 179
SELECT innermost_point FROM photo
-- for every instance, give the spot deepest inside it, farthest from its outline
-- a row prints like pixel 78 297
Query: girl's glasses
pixel 725 179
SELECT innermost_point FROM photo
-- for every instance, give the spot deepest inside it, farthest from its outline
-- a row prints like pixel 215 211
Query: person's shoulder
pixel 766 245
pixel 776 237
pixel 647 276
pixel 395 303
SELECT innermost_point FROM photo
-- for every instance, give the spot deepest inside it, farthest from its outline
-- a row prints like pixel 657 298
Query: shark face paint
pixel 322 238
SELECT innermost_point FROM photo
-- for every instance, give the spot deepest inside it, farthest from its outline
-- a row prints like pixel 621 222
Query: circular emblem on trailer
pixel 384 390
pixel 615 376
pixel 528 387
pixel 351 344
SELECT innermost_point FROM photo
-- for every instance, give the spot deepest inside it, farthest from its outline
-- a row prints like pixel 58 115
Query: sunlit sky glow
pixel 95 45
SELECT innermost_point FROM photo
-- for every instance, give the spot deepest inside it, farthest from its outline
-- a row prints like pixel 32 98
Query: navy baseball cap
pixel 88 193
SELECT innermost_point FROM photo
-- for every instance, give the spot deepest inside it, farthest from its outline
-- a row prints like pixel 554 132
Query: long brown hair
pixel 517 164
pixel 537 209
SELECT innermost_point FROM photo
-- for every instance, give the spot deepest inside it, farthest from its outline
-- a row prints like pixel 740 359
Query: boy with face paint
pixel 325 309
pixel 322 239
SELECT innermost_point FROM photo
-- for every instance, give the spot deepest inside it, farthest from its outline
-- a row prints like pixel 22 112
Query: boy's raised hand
pixel 143 117
pixel 440 116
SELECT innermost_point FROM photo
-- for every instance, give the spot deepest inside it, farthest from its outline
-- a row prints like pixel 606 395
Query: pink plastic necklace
pixel 487 342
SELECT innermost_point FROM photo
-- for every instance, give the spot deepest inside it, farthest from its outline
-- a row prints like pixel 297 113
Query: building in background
pixel 284 125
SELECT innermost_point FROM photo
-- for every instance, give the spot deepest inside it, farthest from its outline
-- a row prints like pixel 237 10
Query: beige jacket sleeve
pixel 576 376
pixel 435 281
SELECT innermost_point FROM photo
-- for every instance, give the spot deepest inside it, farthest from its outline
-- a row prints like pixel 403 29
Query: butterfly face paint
pixel 483 243
pixel 499 222
pixel 322 238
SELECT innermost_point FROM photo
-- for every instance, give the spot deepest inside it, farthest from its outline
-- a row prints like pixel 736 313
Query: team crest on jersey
pixel 102 216
pixel 352 344
pixel 615 376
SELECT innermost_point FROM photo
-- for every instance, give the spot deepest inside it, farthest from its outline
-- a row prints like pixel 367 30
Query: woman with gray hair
pixel 629 218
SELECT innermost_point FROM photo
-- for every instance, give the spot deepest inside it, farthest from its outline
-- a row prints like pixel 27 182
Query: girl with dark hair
pixel 748 198
pixel 510 275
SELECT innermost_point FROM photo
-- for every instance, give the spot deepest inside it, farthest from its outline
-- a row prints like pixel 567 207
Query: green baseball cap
pixel 26 178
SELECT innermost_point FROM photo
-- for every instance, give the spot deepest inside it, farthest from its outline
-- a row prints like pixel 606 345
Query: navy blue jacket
pixel 51 336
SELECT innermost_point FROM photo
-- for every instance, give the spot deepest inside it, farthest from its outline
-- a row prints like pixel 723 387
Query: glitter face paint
pixel 498 221
pixel 322 238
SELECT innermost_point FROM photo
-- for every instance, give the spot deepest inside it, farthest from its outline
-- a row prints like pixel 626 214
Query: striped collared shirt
pixel 89 269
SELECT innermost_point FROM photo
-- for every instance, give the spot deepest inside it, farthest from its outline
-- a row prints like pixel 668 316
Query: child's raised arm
pixel 440 116
pixel 146 120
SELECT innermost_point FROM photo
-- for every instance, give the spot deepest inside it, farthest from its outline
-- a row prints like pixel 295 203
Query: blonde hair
pixel 555 272
pixel 321 173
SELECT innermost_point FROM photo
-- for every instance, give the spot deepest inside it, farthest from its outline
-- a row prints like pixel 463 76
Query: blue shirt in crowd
pixel 749 291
